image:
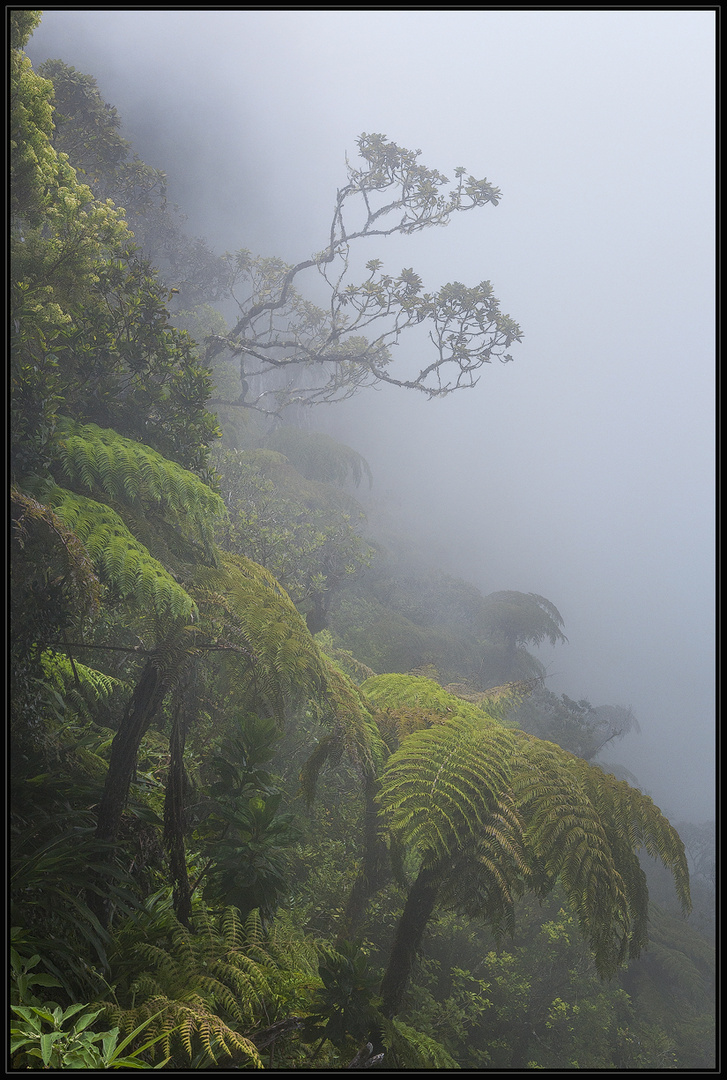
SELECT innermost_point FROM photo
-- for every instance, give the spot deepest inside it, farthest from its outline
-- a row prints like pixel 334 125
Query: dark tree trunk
pixel 414 918
pixel 146 699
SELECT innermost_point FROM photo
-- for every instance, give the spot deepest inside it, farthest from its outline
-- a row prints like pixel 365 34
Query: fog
pixel 583 471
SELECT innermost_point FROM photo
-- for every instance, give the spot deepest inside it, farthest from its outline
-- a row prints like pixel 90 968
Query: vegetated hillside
pixel 270 801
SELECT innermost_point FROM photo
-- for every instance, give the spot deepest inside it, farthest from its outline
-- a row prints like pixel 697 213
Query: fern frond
pixel 287 666
pixel 444 783
pixel 78 683
pixel 412 1049
pixel 32 518
pixel 121 561
pixel 584 827
pixel 99 459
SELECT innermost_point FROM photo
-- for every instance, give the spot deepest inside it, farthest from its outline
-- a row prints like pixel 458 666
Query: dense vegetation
pixel 280 798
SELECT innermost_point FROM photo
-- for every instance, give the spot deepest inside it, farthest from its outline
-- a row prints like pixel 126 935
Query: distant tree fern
pixel 318 456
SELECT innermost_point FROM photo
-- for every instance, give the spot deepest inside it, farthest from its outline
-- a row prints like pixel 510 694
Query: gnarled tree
pixel 327 355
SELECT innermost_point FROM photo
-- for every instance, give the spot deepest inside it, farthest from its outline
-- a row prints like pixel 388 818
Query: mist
pixel 585 470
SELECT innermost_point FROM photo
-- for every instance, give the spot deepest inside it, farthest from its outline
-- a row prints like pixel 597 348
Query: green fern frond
pixel 412 1049
pixel 347 703
pixel 212 983
pixel 287 666
pixel 443 783
pixel 121 561
pixel 99 459
pixel 58 668
pixel 584 827
pixel 32 518
pixel 77 683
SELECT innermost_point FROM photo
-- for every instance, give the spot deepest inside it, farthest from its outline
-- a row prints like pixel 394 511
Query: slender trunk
pixel 368 880
pixel 174 820
pixel 146 699
pixel 414 918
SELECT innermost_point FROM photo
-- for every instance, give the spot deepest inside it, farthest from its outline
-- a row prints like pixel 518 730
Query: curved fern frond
pixel 120 560
pixel 444 783
pixel 287 667
pixel 78 683
pixel 585 828
pixel 212 983
pixel 31 517
pixel 347 703
pixel 99 459
pixel 412 1049
pixel 486 876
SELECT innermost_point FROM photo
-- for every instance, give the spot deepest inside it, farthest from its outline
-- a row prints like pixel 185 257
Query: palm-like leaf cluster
pixel 493 811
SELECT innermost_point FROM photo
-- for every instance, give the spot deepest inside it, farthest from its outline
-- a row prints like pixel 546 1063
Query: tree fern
pixel 492 811
pixel 443 783
pixel 129 472
pixel 121 561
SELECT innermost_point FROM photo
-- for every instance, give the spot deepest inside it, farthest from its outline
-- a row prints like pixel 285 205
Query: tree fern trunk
pixel 414 918
pixel 146 699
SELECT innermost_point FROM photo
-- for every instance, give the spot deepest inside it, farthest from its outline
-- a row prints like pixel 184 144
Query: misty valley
pixel 285 792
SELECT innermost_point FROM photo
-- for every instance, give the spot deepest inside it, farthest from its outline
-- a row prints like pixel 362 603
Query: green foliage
pixel 80 687
pixel 119 554
pixel 586 828
pixel 121 561
pixel 89 322
pixel 251 866
pixel 127 472
pixel 577 726
pixel 50 880
pixel 74 1047
pixel 319 457
pixel 337 351
pixel 255 613
pixel 344 1007
pixel 299 529
pixel 199 988
pixel 444 783
pixel 412 1049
